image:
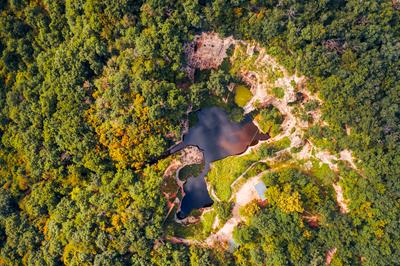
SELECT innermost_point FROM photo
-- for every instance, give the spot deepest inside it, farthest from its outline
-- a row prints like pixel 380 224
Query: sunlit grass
pixel 224 172
pixel 207 221
pixel 242 95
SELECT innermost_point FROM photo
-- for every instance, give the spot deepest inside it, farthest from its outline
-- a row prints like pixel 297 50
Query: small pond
pixel 218 137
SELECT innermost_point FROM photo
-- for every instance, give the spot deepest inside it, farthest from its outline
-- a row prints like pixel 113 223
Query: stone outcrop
pixel 206 51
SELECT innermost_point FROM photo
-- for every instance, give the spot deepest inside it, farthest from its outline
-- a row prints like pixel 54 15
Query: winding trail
pixel 244 195
pixel 292 127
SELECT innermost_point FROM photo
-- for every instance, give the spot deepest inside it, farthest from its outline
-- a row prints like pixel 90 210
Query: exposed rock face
pixel 340 198
pixel 206 51
pixel 290 96
pixel 191 155
pixel 187 156
pixel 329 255
pixel 296 141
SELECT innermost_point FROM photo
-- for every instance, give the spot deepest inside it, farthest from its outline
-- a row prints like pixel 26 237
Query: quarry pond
pixel 218 137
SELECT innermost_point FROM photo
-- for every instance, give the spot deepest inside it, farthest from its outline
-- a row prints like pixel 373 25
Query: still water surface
pixel 218 137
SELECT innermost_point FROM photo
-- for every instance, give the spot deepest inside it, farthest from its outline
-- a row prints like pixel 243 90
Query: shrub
pixel 190 170
pixel 270 120
pixel 223 210
pixel 311 105
pixel 278 92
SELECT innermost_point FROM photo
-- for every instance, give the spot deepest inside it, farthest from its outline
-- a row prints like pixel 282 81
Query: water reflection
pixel 217 137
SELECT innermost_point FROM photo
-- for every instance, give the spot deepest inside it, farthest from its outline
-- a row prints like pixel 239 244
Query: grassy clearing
pixel 224 172
pixel 242 95
pixel 238 185
pixel 256 169
pixel 207 221
pixel 322 171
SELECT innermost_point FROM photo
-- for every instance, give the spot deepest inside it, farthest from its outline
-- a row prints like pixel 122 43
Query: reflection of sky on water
pixel 218 138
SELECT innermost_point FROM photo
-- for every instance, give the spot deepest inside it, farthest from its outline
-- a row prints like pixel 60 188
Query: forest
pixel 93 93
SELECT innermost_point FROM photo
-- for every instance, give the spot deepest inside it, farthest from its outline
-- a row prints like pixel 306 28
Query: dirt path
pixel 292 127
pixel 241 176
pixel 243 196
pixel 208 51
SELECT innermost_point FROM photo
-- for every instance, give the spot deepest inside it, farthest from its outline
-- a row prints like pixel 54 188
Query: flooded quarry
pixel 218 137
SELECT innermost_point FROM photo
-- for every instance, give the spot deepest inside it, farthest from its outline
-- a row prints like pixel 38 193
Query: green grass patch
pixel 207 221
pixel 238 185
pixel 296 149
pixel 242 95
pixel 224 210
pixel 225 171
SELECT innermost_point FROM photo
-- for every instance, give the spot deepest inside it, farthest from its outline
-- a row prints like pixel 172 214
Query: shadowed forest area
pixel 92 93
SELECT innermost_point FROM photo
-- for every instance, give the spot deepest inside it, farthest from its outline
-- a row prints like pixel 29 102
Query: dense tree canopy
pixel 92 92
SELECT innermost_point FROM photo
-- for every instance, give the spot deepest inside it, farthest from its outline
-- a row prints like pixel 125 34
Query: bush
pixel 190 170
pixel 311 105
pixel 223 210
pixel 270 120
pixel 244 234
pixel 278 92
pixel 250 209
pixel 267 150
